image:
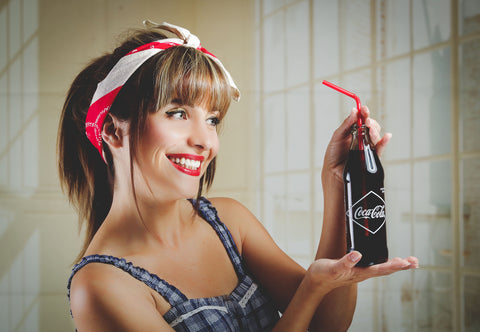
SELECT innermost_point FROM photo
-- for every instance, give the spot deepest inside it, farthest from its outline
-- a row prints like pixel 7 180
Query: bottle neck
pixel 360 137
pixel 361 142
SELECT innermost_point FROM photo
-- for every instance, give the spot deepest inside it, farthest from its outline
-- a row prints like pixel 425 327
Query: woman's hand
pixel 328 274
pixel 337 150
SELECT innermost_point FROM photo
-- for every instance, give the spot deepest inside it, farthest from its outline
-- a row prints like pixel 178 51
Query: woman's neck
pixel 132 227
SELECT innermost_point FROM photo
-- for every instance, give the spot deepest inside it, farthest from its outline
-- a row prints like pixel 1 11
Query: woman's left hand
pixel 330 274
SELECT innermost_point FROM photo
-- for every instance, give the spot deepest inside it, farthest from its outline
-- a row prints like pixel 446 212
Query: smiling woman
pixel 137 145
pixel 181 74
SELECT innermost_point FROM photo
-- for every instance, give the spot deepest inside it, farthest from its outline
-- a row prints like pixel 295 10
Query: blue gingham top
pixel 247 308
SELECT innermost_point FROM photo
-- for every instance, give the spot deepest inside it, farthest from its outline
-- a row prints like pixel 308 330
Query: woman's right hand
pixel 328 274
pixel 338 147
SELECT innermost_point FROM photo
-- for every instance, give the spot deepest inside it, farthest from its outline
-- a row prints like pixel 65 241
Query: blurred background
pixel 415 63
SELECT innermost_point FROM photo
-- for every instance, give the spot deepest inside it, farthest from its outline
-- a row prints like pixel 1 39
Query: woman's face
pixel 178 144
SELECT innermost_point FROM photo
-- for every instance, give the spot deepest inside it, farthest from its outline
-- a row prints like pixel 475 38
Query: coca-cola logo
pixel 371 207
pixel 375 213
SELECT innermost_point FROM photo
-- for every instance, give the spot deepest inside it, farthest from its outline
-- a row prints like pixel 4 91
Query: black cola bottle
pixel 364 200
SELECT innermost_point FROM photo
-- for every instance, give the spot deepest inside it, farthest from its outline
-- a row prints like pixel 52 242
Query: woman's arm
pixel 296 292
pixel 323 297
pixel 335 312
pixel 339 305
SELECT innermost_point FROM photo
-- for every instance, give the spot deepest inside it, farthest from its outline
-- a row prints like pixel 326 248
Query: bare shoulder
pixel 91 294
pixel 104 298
pixel 95 290
pixel 92 283
pixel 226 204
pixel 232 212
pixel 237 217
pixel 267 262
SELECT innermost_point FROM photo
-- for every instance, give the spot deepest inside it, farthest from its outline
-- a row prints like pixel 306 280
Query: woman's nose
pixel 202 136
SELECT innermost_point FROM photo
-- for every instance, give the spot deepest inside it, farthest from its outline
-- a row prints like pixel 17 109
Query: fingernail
pixel 355 256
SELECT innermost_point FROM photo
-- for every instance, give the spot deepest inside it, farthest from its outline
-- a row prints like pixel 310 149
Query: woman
pixel 137 142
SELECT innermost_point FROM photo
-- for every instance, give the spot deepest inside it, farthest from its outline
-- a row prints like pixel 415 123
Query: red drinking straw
pixel 350 94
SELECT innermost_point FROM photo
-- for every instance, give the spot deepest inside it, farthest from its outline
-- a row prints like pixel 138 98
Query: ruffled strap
pixel 169 292
pixel 208 212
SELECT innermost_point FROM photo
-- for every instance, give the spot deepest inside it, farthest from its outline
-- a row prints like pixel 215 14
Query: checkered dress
pixel 247 308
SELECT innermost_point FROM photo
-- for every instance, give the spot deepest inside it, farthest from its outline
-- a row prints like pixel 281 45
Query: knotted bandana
pixel 108 89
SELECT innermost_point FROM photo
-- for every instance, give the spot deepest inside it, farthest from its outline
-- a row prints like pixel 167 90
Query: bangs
pixel 186 76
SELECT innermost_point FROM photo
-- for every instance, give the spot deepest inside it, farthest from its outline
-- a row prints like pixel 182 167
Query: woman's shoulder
pixel 236 216
pixel 101 295
pixel 92 286
pixel 98 288
pixel 95 281
pixel 225 202
pixel 231 211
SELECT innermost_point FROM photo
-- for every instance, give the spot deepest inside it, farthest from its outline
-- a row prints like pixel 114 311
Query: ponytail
pixel 84 176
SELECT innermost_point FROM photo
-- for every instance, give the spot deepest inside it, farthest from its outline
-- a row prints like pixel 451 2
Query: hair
pixel 181 74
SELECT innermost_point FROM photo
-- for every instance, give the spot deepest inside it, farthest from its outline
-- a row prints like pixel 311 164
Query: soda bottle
pixel 364 200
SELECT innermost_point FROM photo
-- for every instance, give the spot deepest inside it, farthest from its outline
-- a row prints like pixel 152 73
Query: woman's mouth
pixel 187 163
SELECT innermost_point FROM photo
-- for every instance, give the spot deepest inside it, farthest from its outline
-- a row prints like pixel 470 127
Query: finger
pixel 345 127
pixel 382 144
pixel 346 263
pixel 364 112
pixel 373 126
pixel 393 265
pixel 404 264
pixel 413 262
pixel 345 267
pixel 350 259
pixel 374 130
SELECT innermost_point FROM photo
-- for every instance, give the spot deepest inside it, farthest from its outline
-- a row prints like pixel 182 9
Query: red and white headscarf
pixel 108 89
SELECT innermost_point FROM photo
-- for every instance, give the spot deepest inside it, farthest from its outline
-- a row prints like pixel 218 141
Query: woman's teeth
pixel 187 163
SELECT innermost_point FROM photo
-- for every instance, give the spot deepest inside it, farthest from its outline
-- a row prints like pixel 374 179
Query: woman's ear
pixel 114 131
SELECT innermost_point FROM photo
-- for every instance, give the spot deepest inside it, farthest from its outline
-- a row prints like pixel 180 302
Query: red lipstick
pixel 186 163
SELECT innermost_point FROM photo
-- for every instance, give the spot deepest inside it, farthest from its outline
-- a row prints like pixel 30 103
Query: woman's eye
pixel 177 114
pixel 213 121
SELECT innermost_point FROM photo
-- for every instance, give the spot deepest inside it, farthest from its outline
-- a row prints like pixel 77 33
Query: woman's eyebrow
pixel 214 112
pixel 177 101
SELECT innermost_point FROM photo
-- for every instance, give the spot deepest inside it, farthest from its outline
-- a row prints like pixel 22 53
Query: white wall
pixel 390 52
pixel 43 45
